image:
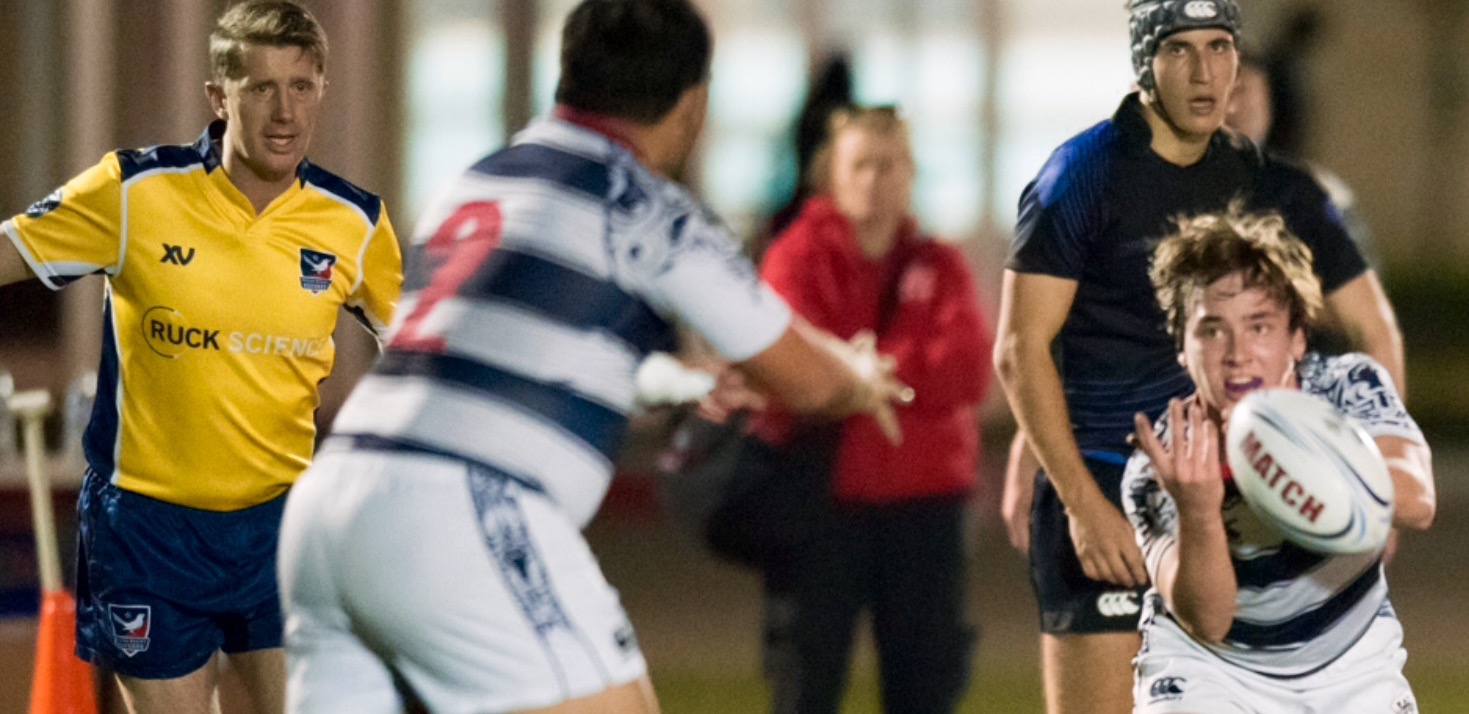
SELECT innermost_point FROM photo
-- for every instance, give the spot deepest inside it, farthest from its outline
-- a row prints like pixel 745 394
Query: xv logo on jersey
pixel 175 254
pixel 316 270
pixel 130 626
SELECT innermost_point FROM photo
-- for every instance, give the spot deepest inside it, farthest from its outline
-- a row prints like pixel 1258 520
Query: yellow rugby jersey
pixel 217 322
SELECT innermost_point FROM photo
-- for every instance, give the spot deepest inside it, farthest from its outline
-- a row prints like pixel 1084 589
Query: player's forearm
pixel 13 268
pixel 805 370
pixel 1033 385
pixel 1411 464
pixel 1198 580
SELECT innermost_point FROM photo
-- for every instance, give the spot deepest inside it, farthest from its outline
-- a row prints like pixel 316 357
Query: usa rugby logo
pixel 130 626
pixel 316 270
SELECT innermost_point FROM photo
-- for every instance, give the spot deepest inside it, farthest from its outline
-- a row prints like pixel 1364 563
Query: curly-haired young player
pixel 1239 619
pixel 1081 344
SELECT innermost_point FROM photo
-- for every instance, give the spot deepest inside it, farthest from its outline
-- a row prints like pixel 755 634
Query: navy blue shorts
pixel 161 587
pixel 1069 601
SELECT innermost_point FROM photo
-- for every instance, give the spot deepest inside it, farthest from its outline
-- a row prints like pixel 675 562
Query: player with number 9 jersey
pixel 435 547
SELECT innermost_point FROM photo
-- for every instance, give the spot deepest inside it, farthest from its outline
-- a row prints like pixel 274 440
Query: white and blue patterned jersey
pixel 537 283
pixel 1295 611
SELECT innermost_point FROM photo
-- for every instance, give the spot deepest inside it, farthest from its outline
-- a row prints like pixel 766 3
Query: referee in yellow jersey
pixel 227 262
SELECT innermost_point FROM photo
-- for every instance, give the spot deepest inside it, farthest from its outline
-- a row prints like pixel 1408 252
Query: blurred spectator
pixel 830 90
pixel 853 262
pixel 1252 113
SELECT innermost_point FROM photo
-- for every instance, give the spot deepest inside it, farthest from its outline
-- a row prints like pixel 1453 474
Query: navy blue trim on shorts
pixel 374 442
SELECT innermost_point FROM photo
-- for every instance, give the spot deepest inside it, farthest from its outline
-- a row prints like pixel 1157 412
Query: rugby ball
pixel 1310 471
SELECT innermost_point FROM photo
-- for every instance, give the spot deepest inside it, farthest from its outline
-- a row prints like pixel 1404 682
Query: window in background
pixel 1064 67
pixel 747 167
pixel 929 60
pixel 456 84
pixel 547 62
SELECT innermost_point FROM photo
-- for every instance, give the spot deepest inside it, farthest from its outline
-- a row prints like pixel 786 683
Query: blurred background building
pixel 421 88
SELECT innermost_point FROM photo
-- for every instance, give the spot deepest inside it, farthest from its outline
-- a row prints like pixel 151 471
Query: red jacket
pixel 935 331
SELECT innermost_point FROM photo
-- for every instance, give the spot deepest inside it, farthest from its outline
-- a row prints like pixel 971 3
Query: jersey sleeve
pixel 687 264
pixel 1362 389
pixel 1150 510
pixel 77 230
pixel 1059 212
pixel 375 298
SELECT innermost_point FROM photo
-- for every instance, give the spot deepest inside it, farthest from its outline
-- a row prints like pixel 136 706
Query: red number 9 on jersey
pixel 457 249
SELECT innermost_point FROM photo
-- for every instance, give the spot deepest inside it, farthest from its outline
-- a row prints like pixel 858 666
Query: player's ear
pixel 215 92
pixel 1298 344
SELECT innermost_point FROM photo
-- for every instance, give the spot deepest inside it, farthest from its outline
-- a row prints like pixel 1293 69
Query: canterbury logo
pixel 175 254
pixel 1118 604
pixel 1166 688
pixel 1201 9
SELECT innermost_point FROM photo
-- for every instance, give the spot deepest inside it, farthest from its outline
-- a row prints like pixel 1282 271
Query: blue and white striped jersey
pixel 536 284
pixel 1296 611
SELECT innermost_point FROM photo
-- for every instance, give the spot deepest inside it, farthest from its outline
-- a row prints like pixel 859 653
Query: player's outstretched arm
pixel 812 372
pixel 13 268
pixel 1411 466
pixel 1033 307
pixel 1195 576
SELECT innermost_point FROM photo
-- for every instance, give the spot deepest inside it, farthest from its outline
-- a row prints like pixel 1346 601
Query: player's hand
pixel 879 389
pixel 732 393
pixel 1188 467
pixel 1105 543
pixel 1019 494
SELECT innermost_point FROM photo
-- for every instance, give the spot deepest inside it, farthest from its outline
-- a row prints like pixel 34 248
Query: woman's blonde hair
pixel 883 120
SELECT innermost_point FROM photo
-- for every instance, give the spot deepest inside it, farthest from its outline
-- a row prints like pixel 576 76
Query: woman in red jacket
pixel 854 262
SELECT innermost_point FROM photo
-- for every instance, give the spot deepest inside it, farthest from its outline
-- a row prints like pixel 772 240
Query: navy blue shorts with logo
pixel 1069 601
pixel 161 587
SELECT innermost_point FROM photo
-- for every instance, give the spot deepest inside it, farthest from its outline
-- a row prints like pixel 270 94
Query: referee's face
pixel 270 111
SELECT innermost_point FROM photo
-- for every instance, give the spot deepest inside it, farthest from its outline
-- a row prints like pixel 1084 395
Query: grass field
pixel 698 619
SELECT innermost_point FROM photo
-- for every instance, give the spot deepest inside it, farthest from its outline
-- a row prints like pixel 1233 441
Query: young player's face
pixel 1195 72
pixel 871 175
pixel 1238 340
pixel 270 111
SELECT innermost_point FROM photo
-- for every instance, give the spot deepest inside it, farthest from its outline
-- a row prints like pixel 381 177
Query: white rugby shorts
pixel 473 591
pixel 1175 675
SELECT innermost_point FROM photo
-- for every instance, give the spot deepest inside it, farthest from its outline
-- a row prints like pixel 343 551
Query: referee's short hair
pixel 632 59
pixel 273 23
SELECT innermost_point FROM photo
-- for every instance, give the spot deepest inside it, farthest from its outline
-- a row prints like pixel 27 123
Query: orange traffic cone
pixel 63 683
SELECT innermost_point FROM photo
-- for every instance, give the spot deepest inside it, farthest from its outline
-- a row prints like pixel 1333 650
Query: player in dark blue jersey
pixel 1082 344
